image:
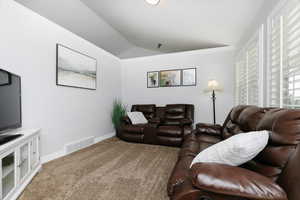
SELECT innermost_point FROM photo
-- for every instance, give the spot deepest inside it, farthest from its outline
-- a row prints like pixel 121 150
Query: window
pixel 253 72
pixel 284 56
pixel 241 79
pixel 248 74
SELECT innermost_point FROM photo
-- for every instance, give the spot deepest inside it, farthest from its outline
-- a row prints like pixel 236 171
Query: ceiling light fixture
pixel 153 2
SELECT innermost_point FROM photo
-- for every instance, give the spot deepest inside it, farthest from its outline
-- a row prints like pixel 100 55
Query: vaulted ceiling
pixel 130 28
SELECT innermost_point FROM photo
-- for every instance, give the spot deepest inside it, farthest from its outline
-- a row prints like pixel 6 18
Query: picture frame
pixel 5 78
pixel 170 78
pixel 189 77
pixel 75 69
pixel 153 79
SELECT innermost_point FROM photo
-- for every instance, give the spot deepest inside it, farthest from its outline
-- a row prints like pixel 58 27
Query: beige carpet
pixel 109 170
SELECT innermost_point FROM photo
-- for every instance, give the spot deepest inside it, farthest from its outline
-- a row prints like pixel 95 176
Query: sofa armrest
pixel 125 120
pixel 235 181
pixel 210 129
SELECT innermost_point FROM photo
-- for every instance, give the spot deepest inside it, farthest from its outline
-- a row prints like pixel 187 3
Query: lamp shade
pixel 213 85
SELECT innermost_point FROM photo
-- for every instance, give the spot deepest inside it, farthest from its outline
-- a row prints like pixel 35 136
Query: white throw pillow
pixel 137 118
pixel 236 150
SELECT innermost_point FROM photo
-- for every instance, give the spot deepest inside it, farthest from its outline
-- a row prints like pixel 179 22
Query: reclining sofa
pixel 166 125
pixel 272 175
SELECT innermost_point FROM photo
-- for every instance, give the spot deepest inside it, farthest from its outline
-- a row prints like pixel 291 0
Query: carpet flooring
pixel 109 170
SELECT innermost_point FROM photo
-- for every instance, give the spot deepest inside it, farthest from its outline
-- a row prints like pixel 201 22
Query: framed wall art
pixel 189 77
pixel 153 79
pixel 5 78
pixel 75 69
pixel 170 78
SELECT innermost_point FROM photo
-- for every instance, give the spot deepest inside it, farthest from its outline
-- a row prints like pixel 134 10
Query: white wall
pixel 28 48
pixel 211 64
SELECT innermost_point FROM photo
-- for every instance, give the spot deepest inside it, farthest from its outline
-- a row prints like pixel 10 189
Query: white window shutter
pixel 248 74
pixel 274 62
pixel 253 72
pixel 284 56
pixel 241 79
pixel 291 57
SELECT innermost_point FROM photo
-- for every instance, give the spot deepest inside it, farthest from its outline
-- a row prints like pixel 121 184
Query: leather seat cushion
pixel 132 137
pixel 169 141
pixel 179 173
pixel 138 128
pixel 190 148
pixel 208 139
pixel 169 131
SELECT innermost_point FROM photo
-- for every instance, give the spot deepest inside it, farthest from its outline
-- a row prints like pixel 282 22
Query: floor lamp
pixel 213 87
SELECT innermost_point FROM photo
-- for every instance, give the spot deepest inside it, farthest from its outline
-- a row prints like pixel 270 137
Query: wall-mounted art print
pixel 153 79
pixel 189 77
pixel 170 78
pixel 5 78
pixel 74 69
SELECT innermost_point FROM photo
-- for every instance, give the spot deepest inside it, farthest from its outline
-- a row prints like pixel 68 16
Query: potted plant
pixel 118 112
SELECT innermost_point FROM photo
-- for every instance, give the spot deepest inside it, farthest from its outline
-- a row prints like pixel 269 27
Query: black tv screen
pixel 10 101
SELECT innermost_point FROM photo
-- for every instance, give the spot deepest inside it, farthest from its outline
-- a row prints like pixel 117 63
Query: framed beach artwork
pixel 75 69
pixel 170 78
pixel 153 79
pixel 189 77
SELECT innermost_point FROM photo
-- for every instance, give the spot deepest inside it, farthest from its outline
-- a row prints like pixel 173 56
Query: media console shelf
pixel 20 162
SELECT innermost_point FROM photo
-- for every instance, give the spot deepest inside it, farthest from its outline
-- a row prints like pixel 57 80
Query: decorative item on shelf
pixel 153 79
pixel 74 69
pixel 214 86
pixel 189 77
pixel 170 78
pixel 118 112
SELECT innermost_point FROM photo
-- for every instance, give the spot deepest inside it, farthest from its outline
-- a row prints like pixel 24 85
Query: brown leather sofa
pixel 273 175
pixel 167 125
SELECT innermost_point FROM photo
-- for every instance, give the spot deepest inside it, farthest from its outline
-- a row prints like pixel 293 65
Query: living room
pixel 182 83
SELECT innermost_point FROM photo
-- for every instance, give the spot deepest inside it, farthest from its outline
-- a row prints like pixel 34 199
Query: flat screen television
pixel 10 101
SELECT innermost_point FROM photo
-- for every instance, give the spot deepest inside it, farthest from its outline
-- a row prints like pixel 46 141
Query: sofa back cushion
pixel 278 160
pixel 174 113
pixel 149 110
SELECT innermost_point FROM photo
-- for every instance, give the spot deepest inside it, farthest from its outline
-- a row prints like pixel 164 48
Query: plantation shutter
pixel 275 62
pixel 253 72
pixel 241 79
pixel 291 56
pixel 284 66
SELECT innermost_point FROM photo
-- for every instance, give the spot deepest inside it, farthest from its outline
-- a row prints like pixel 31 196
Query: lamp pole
pixel 214 105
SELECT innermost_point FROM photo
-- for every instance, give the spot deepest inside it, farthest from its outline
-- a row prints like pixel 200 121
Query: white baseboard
pixel 61 153
pixel 52 156
pixel 104 137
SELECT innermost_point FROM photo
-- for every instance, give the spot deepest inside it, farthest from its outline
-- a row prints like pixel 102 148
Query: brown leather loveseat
pixel 272 175
pixel 167 125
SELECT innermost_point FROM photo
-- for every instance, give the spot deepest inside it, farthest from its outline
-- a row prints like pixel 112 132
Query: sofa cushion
pixel 189 147
pixel 170 131
pixel 139 128
pixel 179 173
pixel 236 150
pixel 137 118
pixel 149 110
pixel 175 109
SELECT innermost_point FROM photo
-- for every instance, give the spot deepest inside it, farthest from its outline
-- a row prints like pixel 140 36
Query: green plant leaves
pixel 118 112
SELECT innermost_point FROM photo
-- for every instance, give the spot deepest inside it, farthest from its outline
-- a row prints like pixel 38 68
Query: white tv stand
pixel 19 163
